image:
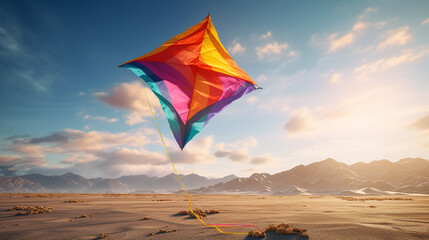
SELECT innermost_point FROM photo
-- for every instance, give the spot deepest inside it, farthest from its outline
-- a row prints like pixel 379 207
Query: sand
pixel 120 216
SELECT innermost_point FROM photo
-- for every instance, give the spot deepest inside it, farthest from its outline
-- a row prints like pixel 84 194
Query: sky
pixel 341 79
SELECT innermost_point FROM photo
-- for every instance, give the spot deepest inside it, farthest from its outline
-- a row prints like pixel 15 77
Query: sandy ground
pixel 120 216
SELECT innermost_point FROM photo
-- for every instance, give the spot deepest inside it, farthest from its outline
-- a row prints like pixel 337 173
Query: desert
pixel 216 120
pixel 154 216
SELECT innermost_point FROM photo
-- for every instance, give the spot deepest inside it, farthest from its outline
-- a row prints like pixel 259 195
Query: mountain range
pixel 72 183
pixel 381 177
pixel 329 177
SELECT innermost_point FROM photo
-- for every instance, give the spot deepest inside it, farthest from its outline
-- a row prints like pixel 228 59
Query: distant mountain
pixel 407 176
pixel 72 183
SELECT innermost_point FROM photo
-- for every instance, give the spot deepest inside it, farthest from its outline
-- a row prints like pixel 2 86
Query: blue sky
pixel 341 79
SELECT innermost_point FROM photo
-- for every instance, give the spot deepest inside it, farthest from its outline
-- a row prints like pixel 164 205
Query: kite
pixel 193 77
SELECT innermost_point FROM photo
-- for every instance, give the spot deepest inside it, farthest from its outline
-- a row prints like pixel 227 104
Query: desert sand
pixel 122 216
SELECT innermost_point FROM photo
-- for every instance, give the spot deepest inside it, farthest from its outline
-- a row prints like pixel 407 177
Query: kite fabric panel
pixel 193 77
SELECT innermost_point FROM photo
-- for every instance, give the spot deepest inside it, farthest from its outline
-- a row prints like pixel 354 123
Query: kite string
pixel 183 186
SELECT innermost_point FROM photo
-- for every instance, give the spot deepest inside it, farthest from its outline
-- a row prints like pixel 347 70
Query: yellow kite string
pixel 181 183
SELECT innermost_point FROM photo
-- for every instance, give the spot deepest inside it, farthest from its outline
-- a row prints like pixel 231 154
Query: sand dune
pixel 123 216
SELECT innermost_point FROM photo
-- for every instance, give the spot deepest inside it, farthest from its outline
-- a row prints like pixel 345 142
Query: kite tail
pixel 183 186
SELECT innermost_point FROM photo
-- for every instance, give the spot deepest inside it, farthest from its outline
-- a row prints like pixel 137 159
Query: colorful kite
pixel 194 78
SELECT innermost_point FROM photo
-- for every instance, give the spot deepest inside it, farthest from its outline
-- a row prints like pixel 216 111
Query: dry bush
pixel 256 234
pixel 162 200
pixel 74 201
pixel 351 199
pixel 84 216
pixel 114 195
pixel 285 225
pixel 17 208
pixel 162 230
pixel 285 229
pixel 42 195
pixel 146 218
pixel 271 228
pixel 201 213
pixel 304 235
pixel 372 206
pixel 102 236
pixel 183 212
pixel 30 210
pixel 298 230
pixel 403 199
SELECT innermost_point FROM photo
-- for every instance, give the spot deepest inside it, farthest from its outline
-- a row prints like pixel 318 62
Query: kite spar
pixel 194 78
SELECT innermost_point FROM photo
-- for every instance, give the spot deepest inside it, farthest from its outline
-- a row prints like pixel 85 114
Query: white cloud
pixel 94 153
pixel 371 10
pixel 252 99
pixel 134 118
pixel 360 26
pixel 100 118
pixel 235 156
pixel 337 41
pixel 130 96
pixel 8 159
pixel 293 53
pixel 271 49
pixel 30 150
pixel 425 21
pixel 79 158
pixel 336 78
pixel 76 140
pixel 370 119
pixel 236 152
pixel 266 35
pixel 396 37
pixel 421 124
pixel 366 12
pixel 302 120
pixel 83 151
pixel 127 156
pixel 263 159
pixel 236 48
pixel 275 104
pixel 10 164
pixel 121 161
pixel 385 63
pixel 368 113
pixel 70 140
pixel 198 151
pixel 340 42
